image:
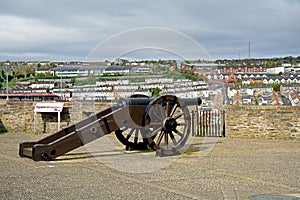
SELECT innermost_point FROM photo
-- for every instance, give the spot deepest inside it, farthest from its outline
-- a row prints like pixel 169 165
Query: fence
pixel 209 123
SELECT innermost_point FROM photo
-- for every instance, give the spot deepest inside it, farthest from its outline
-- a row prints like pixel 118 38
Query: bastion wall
pixel 241 121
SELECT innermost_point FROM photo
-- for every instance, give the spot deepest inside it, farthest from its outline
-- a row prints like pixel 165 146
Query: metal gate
pixel 210 123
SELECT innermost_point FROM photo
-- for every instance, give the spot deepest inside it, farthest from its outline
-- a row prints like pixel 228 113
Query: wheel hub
pixel 169 124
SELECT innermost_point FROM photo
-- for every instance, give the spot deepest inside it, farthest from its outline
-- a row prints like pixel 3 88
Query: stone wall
pixel 16 117
pixel 19 116
pixel 263 121
pixel 241 121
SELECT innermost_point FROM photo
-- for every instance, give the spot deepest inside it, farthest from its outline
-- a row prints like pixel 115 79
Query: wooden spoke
pixel 178 115
pixel 173 110
pixel 162 111
pixel 129 134
pixel 155 124
pixel 155 131
pixel 181 124
pixel 173 138
pixel 124 128
pixel 160 137
pixel 136 136
pixel 154 136
pixel 178 133
pixel 168 109
pixel 154 116
pixel 166 138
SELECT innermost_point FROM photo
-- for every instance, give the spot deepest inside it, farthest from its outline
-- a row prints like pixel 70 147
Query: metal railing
pixel 208 123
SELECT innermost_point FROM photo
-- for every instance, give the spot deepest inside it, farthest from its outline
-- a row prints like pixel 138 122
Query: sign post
pixel 48 107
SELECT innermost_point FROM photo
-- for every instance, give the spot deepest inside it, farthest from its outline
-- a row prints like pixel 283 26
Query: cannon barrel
pixel 146 101
pixel 134 101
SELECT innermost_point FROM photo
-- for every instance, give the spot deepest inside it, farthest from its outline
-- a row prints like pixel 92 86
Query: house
pixel 285 89
pixel 286 65
pixel 112 82
pixel 38 85
pixel 231 92
pixel 275 70
pixel 160 80
pixel 246 82
pixel 44 71
pixel 79 70
pixel 266 99
pixel 143 70
pixel 255 80
pixel 242 69
pixel 117 69
pixel 294 98
pixel 81 93
pixel 30 91
pixel 246 99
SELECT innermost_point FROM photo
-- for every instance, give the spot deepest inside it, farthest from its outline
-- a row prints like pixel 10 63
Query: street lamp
pixel 6 69
pixel 60 83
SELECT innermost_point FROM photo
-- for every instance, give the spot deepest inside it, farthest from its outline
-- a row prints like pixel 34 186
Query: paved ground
pixel 225 169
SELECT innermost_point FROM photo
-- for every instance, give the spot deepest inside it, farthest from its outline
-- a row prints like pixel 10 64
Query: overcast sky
pixel 65 30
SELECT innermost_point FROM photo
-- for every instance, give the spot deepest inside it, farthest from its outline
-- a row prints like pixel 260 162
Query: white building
pixel 42 85
pixel 275 70
pixel 286 65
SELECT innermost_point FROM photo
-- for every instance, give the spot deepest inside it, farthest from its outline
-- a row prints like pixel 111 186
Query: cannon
pixel 139 122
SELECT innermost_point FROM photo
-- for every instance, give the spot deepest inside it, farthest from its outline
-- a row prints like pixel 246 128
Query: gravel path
pixel 225 168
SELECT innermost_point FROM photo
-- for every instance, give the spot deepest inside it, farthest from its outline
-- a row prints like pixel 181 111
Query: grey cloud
pixel 71 29
pixel 161 39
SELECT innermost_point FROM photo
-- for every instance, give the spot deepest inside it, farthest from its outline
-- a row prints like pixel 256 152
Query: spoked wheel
pixel 132 138
pixel 167 125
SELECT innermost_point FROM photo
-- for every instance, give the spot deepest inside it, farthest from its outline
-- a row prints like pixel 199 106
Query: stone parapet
pixel 19 116
pixel 241 121
pixel 263 121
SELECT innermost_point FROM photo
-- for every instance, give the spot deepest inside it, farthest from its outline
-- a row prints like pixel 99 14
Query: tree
pixel 44 75
pixel 17 73
pixel 28 70
pixel 73 80
pixel 154 91
pixel 268 64
pixel 248 62
pixel 38 65
pixel 276 86
pixel 278 64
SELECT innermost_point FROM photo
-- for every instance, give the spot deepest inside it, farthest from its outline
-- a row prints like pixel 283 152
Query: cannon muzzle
pixel 192 101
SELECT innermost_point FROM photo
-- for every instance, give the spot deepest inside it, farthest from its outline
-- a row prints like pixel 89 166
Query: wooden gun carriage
pixel 139 122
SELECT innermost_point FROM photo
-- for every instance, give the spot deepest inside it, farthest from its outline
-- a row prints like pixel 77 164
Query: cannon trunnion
pixel 139 122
